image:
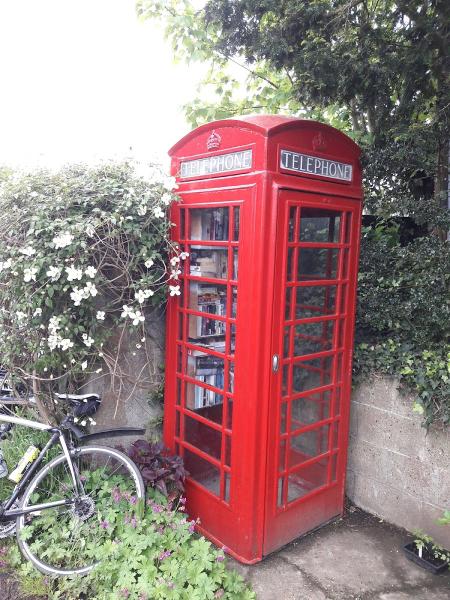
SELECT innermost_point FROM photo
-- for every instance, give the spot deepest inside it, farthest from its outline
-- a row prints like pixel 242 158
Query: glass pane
pixel 318 225
pixel 289 292
pixel 208 297
pixel 204 327
pixel 313 337
pixel 290 260
pixel 341 332
pixel 283 417
pixel 205 402
pixel 337 401
pixel 180 325
pixel 231 378
pixel 209 224
pixel 202 437
pixel 291 228
pixel 182 223
pixel 177 424
pixel 234 302
pixel 178 391
pixel 282 456
pixel 179 358
pixel 309 374
pixel 232 347
pixel 335 435
pixel 209 262
pixel 226 483
pixel 315 301
pixel 307 479
pixel 236 216
pixel 286 340
pixel 281 485
pixel 310 409
pixel 348 228
pixel 307 445
pixel 235 264
pixel 206 368
pixel 334 467
pixel 285 382
pixel 228 450
pixel 202 471
pixel 317 263
pixel 229 413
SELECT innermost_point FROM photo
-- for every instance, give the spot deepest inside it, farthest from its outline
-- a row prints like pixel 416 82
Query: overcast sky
pixel 83 80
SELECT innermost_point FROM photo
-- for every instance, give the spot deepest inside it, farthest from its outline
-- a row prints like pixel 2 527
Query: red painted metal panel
pixel 223 404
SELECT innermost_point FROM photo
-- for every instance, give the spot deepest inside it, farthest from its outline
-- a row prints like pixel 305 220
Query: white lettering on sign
pixel 223 163
pixel 302 163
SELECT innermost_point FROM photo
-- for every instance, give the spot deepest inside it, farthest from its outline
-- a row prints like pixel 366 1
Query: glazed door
pixel 316 252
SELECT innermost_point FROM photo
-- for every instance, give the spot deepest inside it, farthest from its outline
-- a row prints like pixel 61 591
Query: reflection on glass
pixel 313 337
pixel 337 401
pixel 209 223
pixel 202 471
pixel 285 381
pixel 282 455
pixel 310 409
pixel 178 391
pixel 230 413
pixel 289 292
pixel 234 301
pixel 348 228
pixel 307 479
pixel 309 374
pixel 286 341
pixel 290 259
pixel 206 403
pixel 334 467
pixel 314 301
pixel 232 347
pixel 208 262
pixel 319 225
pixel 283 418
pixel 317 263
pixel 335 434
pixel 226 483
pixel 281 486
pixel 179 359
pixel 203 437
pixel 307 445
pixel 236 226
pixel 231 378
pixel 180 325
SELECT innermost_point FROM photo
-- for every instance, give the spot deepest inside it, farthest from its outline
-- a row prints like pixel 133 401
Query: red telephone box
pixel 259 343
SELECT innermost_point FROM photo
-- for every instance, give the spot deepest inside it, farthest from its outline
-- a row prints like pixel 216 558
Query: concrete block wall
pixel 396 469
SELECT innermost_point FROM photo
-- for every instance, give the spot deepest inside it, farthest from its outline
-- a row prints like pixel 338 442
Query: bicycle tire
pixel 66 514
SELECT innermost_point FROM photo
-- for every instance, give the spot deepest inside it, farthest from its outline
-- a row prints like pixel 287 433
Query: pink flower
pixel 165 555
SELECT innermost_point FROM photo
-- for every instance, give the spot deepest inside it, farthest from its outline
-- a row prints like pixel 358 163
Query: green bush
pixel 403 316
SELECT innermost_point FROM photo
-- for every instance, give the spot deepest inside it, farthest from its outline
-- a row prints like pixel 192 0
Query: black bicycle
pixel 67 499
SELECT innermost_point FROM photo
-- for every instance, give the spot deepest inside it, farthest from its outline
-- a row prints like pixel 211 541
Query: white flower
pixel 65 344
pixel 77 296
pixel 87 340
pixel 63 239
pixel 29 274
pixel 84 365
pixel 141 210
pixel 37 312
pixel 100 315
pixel 184 255
pixel 99 370
pixel 54 273
pixel 166 199
pixel 90 230
pixel 5 265
pixel 170 184
pixel 140 296
pixel 28 251
pixel 143 339
pixel 90 289
pixel 174 261
pixel 73 273
pixel 91 272
pixel 174 290
pixel 137 317
pixel 158 212
pixel 149 262
pixel 127 311
pixel 148 293
pixel 20 315
pixel 174 274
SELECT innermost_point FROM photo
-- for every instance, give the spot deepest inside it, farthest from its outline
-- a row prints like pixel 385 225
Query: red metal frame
pixel 236 464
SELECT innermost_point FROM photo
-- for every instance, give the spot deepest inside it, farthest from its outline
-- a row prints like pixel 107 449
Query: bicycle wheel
pixel 63 540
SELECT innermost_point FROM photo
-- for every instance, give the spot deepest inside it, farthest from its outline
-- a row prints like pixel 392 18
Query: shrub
pixel 83 253
pixel 159 469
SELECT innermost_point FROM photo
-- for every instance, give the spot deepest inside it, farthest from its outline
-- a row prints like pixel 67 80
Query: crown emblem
pixel 319 142
pixel 213 140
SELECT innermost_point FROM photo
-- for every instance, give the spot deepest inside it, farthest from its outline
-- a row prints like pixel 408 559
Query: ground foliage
pixel 378 70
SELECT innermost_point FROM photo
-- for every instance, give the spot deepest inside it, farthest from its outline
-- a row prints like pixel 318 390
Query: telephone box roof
pixel 265 125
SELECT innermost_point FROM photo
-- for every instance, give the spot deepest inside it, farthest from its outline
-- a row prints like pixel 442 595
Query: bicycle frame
pixel 8 514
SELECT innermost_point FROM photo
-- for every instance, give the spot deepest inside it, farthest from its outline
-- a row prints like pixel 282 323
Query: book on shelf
pixel 209 224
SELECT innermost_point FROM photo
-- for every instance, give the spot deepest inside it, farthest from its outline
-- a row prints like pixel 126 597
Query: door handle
pixel 275 363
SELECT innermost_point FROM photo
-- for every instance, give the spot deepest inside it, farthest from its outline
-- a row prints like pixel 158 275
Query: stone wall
pixel 397 470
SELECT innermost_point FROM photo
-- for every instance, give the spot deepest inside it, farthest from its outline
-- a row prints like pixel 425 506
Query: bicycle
pixel 71 494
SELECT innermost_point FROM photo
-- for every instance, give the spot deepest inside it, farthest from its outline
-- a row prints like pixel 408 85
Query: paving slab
pixel 358 557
